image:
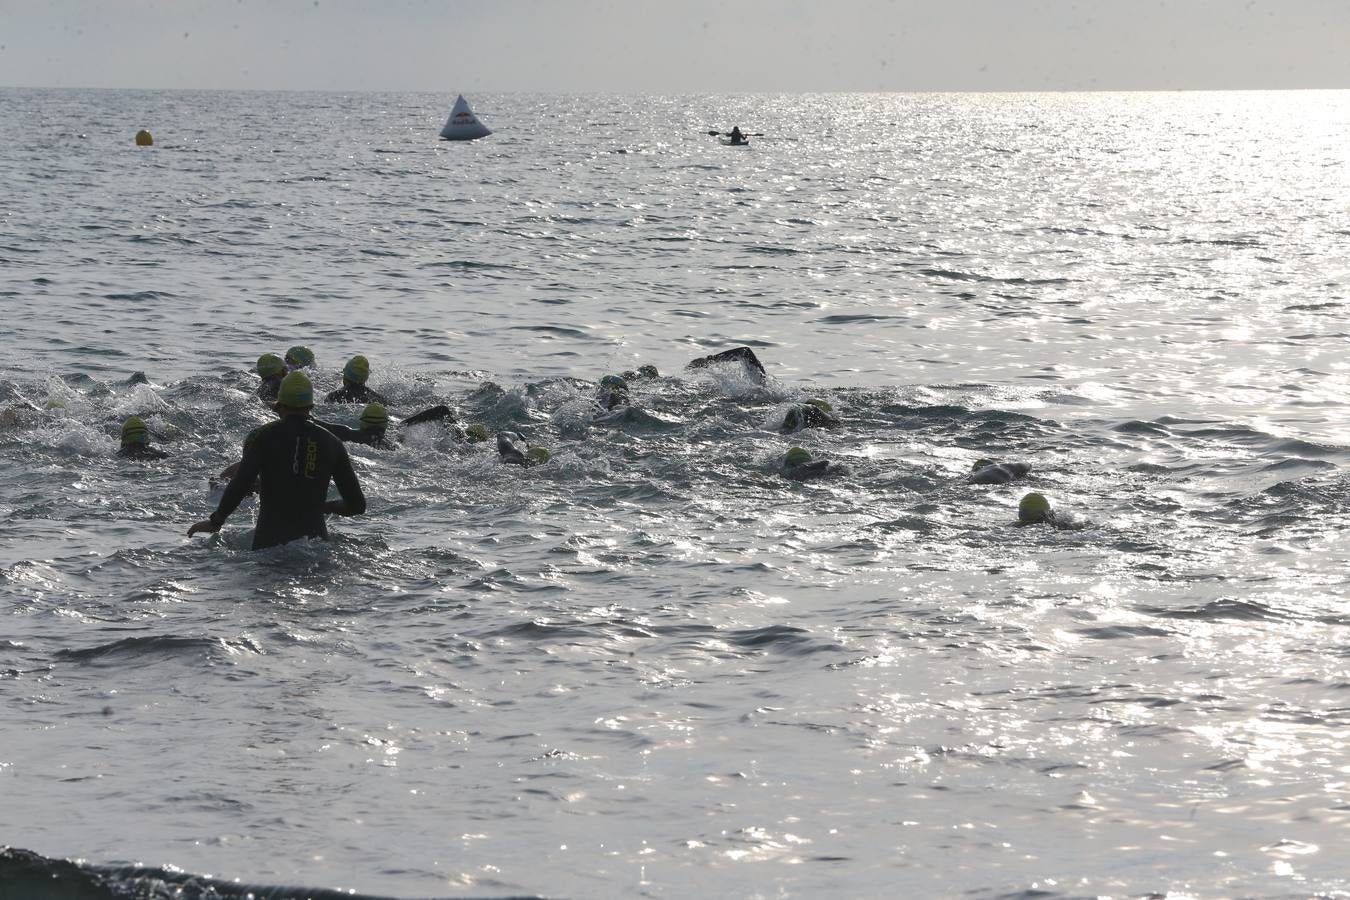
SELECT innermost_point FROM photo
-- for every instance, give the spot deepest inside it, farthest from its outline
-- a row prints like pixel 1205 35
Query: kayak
pixel 730 143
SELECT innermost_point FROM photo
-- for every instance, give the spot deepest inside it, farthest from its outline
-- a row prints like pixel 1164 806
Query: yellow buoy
pixel 143 138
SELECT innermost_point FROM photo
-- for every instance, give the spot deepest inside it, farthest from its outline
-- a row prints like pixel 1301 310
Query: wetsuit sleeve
pixel 242 482
pixel 342 432
pixel 434 414
pixel 345 479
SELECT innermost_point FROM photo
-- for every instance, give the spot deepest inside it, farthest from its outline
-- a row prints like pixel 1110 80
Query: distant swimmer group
pixel 291 462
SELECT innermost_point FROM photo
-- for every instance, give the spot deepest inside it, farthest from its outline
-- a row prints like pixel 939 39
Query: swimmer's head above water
pixel 270 366
pixel 135 433
pixel 296 396
pixel 299 357
pixel 356 371
pixel 1034 509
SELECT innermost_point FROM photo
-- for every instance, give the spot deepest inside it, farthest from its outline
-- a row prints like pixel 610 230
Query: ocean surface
pixel 654 666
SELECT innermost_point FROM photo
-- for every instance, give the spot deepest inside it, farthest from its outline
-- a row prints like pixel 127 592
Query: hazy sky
pixel 676 45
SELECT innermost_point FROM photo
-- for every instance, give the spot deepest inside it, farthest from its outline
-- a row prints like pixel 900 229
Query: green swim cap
pixel 796 456
pixel 820 405
pixel 134 431
pixel 296 391
pixel 357 370
pixel 981 463
pixel 477 432
pixel 299 357
pixel 270 364
pixel 614 382
pixel 1033 508
pixel 538 455
pixel 374 416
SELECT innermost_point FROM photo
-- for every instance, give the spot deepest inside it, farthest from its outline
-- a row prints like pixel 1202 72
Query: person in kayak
pixel 136 441
pixel 293 460
pixel 355 374
pixel 736 136
pixel 271 369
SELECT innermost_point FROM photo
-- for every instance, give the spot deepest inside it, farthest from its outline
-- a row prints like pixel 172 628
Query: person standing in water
pixel 293 460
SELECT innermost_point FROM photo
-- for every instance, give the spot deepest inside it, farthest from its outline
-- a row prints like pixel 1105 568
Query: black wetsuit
pixel 354 393
pixel 378 437
pixel 440 413
pixel 293 459
pixel 141 451
pixel 270 388
pixel 743 355
pixel 999 473
pixel 808 415
pixel 807 471
pixel 374 437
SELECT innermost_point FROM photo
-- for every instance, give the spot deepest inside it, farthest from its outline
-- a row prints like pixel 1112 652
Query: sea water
pixel 654 666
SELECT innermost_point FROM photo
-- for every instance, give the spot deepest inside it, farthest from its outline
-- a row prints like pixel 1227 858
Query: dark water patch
pixel 468 265
pixel 1313 307
pixel 25 875
pixel 785 639
pixel 156 648
pixel 854 319
pixel 1134 426
pixel 142 296
pixel 1122 632
pixel 957 275
pixel 1221 610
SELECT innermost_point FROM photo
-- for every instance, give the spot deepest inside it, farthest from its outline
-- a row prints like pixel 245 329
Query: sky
pixel 676 46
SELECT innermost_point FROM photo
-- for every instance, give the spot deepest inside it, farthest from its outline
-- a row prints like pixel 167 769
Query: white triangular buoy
pixel 463 125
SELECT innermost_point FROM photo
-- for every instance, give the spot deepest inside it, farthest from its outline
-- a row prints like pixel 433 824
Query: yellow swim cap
pixel 144 139
pixel 538 455
pixel 357 370
pixel 796 456
pixel 299 357
pixel 820 405
pixel 134 431
pixel 374 416
pixel 1034 508
pixel 476 432
pixel 296 391
pixel 270 364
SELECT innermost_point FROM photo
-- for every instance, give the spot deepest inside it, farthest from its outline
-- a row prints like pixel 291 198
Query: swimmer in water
pixel 986 471
pixel 811 414
pixel 293 460
pixel 613 392
pixel 797 465
pixel 136 441
pixel 375 425
pixel 642 373
pixel 1034 509
pixel 513 449
pixel 299 357
pixel 271 369
pixel 355 374
pixel 743 355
